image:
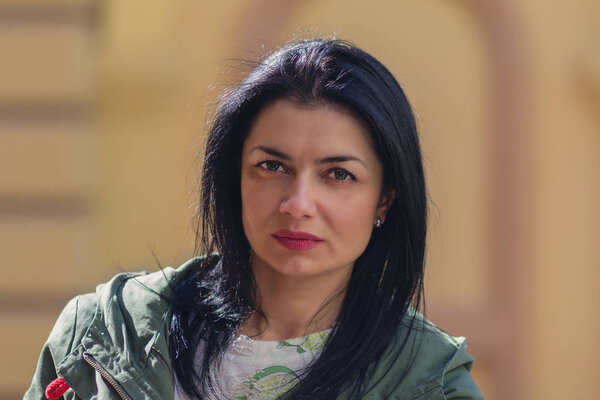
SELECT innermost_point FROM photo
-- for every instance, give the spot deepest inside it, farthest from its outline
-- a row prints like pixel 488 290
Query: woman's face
pixel 311 188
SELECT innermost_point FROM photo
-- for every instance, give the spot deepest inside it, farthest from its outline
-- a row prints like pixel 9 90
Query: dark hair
pixel 387 279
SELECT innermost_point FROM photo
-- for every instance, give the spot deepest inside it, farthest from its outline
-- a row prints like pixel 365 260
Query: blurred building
pixel 103 105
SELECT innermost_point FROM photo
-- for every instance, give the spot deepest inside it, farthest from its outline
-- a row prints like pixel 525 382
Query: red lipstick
pixel 298 241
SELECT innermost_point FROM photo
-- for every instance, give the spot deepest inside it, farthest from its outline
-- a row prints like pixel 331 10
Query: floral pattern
pixel 271 382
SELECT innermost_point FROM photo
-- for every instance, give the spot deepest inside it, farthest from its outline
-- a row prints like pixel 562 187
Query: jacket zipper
pixel 100 369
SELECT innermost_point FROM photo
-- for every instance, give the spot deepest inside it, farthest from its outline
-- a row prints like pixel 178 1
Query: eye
pixel 340 174
pixel 270 165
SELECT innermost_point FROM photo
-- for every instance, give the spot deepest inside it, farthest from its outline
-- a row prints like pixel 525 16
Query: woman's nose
pixel 299 202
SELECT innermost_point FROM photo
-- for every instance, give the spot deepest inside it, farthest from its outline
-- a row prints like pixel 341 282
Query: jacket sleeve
pixel 63 338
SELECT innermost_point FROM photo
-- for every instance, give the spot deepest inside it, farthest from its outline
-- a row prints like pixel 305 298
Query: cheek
pixel 353 219
pixel 257 204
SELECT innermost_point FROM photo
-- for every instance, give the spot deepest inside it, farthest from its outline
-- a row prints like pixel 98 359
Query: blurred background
pixel 103 106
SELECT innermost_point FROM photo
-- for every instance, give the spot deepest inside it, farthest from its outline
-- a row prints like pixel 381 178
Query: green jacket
pixel 113 344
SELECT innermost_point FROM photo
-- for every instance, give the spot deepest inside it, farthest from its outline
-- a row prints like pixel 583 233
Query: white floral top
pixel 263 370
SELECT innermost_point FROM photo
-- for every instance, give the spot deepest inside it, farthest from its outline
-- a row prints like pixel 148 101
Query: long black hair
pixel 386 284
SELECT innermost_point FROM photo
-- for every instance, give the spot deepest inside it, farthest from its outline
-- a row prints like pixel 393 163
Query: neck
pixel 294 306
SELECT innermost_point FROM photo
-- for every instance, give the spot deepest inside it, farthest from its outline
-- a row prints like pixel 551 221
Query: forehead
pixel 322 128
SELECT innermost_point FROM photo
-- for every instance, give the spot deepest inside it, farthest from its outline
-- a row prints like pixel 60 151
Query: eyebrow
pixel 326 160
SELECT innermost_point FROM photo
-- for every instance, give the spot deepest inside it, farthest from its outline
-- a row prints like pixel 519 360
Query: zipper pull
pixel 56 388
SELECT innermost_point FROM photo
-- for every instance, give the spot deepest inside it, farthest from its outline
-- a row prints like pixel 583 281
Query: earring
pixel 378 223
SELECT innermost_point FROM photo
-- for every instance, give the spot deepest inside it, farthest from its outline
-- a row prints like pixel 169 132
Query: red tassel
pixel 56 388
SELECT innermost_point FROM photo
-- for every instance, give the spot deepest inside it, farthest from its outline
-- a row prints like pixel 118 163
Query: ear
pixel 387 199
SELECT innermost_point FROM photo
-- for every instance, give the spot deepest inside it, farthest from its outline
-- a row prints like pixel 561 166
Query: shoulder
pixel 121 320
pixel 425 362
pixel 137 299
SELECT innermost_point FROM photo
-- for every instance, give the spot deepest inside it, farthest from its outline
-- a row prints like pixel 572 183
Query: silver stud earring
pixel 378 223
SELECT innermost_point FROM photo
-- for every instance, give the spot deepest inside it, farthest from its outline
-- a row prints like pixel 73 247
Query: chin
pixel 306 268
pixel 299 268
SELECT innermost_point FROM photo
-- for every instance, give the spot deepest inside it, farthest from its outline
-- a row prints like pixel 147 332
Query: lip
pixel 298 240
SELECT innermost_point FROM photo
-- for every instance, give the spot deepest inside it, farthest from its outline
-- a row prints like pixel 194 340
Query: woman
pixel 313 206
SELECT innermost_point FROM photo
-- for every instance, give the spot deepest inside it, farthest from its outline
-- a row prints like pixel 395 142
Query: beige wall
pixel 102 106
